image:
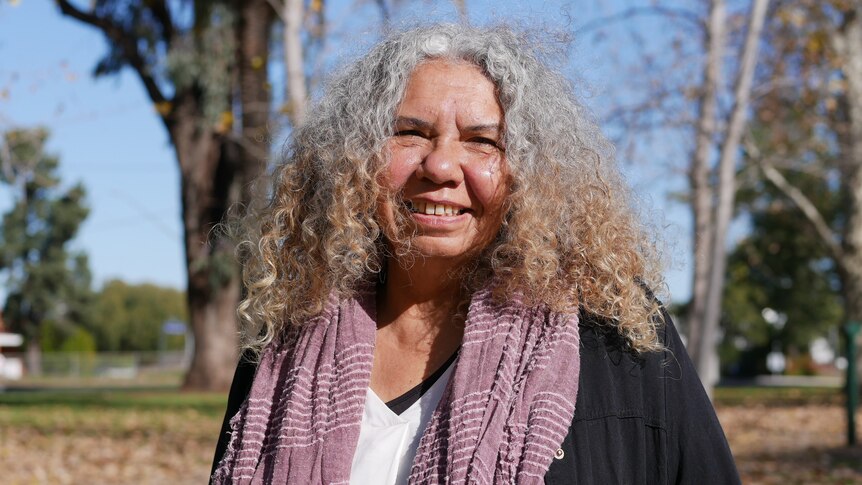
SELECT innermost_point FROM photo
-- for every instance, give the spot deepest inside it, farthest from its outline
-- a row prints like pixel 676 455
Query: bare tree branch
pixel 278 6
pixel 161 11
pixel 813 170
pixel 297 94
pixel 250 145
pixel 675 13
pixel 385 14
pixel 461 6
pixel 127 42
pixel 806 206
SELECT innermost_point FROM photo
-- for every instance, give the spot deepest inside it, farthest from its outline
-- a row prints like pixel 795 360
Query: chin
pixel 446 252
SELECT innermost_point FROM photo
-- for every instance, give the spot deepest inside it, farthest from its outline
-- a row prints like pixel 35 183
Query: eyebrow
pixel 492 127
pixel 425 125
pixel 413 122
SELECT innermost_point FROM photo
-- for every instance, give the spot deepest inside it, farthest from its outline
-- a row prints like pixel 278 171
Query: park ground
pixel 778 436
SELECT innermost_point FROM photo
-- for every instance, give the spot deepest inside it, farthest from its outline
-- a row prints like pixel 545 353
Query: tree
pixel 782 288
pixel 203 65
pixel 712 205
pixel 709 115
pixel 812 123
pixel 130 317
pixel 47 283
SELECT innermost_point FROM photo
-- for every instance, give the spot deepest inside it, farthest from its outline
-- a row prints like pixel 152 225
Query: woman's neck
pixel 418 327
pixel 418 302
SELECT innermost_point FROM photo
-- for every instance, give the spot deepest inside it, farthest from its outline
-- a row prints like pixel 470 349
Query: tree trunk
pixel 701 192
pixel 705 354
pixel 216 166
pixel 701 345
pixel 253 32
pixel 848 42
pixel 33 357
pixel 213 288
pixel 294 65
pixel 217 174
pixel 708 355
pixel 461 7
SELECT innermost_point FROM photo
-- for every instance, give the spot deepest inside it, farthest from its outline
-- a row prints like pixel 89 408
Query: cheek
pixel 402 164
pixel 488 181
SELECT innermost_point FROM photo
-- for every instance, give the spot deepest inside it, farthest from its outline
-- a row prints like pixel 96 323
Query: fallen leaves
pixel 108 446
pixel 789 444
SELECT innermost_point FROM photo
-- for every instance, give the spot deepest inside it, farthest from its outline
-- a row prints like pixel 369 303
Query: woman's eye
pixel 485 141
pixel 410 133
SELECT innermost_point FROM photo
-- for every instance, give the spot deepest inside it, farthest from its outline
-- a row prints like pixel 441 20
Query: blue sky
pixel 108 136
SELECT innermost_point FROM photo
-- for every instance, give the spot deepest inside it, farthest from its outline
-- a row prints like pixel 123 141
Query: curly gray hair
pixel 569 238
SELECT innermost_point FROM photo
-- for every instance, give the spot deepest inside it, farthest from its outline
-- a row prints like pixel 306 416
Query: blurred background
pixel 129 128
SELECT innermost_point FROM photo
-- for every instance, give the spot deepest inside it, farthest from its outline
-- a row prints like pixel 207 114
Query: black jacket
pixel 638 419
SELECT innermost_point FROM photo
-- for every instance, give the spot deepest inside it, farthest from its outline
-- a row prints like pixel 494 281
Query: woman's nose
pixel 443 165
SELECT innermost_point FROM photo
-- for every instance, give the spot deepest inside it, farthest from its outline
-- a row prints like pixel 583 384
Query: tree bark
pixel 33 355
pixel 848 42
pixel 213 291
pixel 701 192
pixel 217 174
pixel 297 95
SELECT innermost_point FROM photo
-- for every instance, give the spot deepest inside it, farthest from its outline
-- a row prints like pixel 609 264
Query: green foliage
pixel 65 338
pixel 80 341
pixel 203 58
pixel 130 317
pixel 797 126
pixel 196 53
pixel 782 265
pixel 44 279
pixel 134 17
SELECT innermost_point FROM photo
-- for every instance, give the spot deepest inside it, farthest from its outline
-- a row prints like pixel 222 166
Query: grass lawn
pixel 781 436
pixel 164 437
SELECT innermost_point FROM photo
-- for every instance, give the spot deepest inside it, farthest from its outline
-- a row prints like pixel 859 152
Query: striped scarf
pixel 504 412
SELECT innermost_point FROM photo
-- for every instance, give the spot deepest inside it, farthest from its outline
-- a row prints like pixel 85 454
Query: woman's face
pixel 447 160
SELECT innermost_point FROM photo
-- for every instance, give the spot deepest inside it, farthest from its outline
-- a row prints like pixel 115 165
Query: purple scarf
pixel 503 415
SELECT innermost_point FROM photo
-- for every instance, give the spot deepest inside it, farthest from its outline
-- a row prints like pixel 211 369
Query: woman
pixel 449 284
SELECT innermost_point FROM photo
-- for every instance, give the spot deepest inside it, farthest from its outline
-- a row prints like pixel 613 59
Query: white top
pixel 388 441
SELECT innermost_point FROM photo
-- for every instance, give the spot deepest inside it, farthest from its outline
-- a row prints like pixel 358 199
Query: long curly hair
pixel 570 239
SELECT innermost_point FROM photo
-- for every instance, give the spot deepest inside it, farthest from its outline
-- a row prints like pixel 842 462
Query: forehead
pixel 444 85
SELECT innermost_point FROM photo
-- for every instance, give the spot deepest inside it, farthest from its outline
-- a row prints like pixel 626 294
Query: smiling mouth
pixel 432 209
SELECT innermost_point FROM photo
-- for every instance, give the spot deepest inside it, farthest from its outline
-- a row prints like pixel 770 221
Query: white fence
pixel 119 366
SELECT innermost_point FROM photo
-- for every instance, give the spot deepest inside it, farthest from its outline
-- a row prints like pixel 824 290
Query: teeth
pixel 431 209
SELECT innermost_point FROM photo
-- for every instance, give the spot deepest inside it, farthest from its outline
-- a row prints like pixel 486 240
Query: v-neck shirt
pixel 388 439
pixel 404 401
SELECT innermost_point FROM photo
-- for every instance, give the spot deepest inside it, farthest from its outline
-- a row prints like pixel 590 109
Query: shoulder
pixel 616 381
pixel 640 418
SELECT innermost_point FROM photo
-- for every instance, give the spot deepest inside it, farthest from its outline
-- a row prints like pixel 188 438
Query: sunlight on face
pixel 447 159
